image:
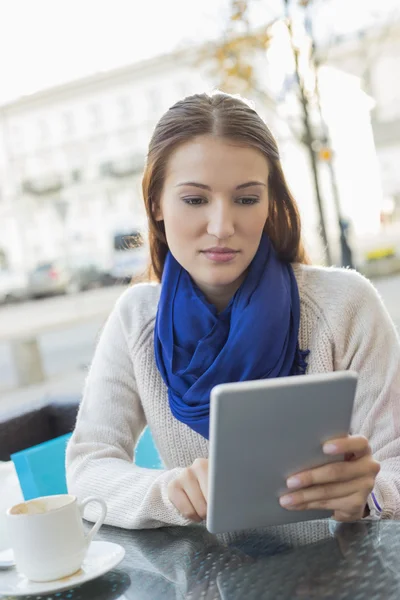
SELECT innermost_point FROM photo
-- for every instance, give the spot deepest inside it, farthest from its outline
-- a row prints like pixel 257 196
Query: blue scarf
pixel 255 337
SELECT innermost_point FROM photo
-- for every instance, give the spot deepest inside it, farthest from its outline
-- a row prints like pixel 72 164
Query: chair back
pixel 41 468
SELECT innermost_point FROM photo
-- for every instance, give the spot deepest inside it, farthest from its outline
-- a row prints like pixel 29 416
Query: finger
pixel 328 491
pixel 352 444
pixel 182 503
pixel 193 491
pixel 345 517
pixel 200 467
pixel 351 506
pixel 335 472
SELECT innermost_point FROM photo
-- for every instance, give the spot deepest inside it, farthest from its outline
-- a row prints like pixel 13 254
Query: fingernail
pixel 293 482
pixel 330 448
pixel 286 500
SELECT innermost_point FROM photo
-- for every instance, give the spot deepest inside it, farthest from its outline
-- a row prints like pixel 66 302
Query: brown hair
pixel 229 117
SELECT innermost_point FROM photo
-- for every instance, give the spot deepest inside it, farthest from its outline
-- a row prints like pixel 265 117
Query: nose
pixel 221 220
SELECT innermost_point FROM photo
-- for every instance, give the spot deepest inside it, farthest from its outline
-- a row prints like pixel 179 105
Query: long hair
pixel 228 117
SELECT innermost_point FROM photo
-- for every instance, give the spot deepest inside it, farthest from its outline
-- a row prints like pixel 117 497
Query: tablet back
pixel 263 431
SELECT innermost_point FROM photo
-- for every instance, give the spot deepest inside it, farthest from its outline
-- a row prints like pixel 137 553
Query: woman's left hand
pixel 342 487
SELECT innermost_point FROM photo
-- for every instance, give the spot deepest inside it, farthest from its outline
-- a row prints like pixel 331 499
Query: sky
pixel 47 42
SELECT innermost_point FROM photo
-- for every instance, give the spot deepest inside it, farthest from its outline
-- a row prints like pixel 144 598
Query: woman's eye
pixel 248 200
pixel 194 200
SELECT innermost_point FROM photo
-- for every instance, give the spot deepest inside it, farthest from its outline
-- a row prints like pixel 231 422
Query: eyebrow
pixel 207 187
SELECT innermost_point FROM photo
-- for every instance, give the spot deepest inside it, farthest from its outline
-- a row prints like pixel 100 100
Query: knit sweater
pixel 344 324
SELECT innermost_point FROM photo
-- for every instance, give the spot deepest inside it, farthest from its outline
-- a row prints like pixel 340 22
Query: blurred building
pixel 349 174
pixel 71 157
pixel 71 160
pixel 373 55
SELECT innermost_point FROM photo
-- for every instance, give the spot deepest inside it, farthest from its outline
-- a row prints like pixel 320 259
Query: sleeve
pixel 371 347
pixel 100 453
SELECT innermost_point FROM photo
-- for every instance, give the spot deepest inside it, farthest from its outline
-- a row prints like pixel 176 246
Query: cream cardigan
pixel 343 323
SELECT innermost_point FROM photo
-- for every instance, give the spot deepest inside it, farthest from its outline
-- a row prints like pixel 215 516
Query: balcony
pixel 43 185
pixel 126 166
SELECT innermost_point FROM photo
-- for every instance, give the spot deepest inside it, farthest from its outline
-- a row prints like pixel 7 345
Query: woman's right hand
pixel 189 492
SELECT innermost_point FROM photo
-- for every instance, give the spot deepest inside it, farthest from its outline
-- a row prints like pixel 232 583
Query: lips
pixel 220 255
pixel 221 250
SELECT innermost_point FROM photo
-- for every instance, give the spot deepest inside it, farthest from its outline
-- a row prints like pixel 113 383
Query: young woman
pixel 237 301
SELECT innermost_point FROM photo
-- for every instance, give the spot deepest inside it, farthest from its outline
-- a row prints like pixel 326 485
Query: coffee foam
pixel 34 507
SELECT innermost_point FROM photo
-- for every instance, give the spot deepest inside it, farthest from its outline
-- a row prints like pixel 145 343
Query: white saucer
pixel 6 559
pixel 101 558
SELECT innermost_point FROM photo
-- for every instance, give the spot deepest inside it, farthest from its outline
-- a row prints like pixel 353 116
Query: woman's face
pixel 214 205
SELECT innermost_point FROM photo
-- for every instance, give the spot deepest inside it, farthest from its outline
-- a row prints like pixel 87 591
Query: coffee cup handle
pixel 100 520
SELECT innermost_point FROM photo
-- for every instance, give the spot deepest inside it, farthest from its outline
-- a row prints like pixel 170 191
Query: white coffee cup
pixel 48 537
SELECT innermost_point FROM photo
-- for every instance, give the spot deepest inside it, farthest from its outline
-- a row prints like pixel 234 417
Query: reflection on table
pixel 319 559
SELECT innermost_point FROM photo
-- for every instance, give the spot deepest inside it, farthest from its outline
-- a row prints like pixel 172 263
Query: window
pixel 43 267
pixel 95 116
pixel 69 123
pixel 17 139
pixel 154 103
pixel 43 132
pixel 4 264
pixel 126 241
pixel 125 108
pixel 76 175
pixel 386 87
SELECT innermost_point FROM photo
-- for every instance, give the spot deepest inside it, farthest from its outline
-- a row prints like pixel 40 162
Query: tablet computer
pixel 261 432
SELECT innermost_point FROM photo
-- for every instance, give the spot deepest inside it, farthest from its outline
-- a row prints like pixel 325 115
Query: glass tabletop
pixel 318 559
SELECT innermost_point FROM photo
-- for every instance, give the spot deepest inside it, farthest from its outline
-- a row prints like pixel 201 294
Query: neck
pixel 220 296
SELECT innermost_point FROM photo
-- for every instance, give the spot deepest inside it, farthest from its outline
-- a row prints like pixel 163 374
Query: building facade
pixel 72 157
pixel 373 55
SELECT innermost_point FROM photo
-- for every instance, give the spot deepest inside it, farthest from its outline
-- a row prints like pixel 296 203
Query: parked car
pixel 13 286
pixel 130 257
pixel 56 278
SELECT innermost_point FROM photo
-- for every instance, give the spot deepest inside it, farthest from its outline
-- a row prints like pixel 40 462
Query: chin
pixel 219 279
